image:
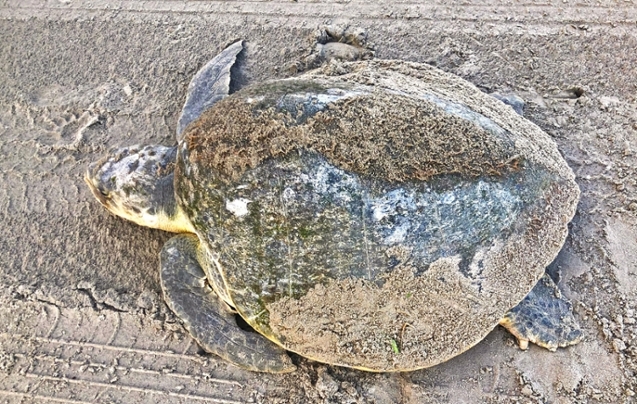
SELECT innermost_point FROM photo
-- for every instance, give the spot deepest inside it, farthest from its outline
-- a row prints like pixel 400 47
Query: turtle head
pixel 136 183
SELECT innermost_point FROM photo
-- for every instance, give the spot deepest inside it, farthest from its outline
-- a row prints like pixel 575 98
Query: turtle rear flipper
pixel 210 84
pixel 544 318
pixel 207 318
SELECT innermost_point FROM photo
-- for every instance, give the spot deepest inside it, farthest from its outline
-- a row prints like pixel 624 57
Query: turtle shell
pixel 381 215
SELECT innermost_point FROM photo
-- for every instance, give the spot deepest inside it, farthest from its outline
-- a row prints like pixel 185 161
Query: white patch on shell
pixel 400 212
pixel 251 100
pixel 331 95
pixel 398 236
pixel 379 212
pixel 327 98
pixel 327 179
pixel 448 198
pixel 289 194
pixel 238 207
pixel 392 203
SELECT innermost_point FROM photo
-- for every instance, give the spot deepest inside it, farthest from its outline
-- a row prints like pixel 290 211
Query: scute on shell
pixel 374 205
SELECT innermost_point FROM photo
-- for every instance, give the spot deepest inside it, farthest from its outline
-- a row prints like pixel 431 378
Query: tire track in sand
pixel 53 354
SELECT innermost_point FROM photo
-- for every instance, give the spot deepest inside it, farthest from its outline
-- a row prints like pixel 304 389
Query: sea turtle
pixel 379 214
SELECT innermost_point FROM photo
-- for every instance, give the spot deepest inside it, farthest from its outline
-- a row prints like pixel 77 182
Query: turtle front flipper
pixel 209 320
pixel 210 84
pixel 544 318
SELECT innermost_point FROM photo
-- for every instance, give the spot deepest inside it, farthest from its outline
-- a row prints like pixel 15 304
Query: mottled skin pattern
pixel 136 183
pixel 360 173
pixel 543 318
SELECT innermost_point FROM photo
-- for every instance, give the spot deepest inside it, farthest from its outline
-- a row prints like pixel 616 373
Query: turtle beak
pixel 100 195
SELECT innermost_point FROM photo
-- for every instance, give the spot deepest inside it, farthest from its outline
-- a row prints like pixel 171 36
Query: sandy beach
pixel 82 318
